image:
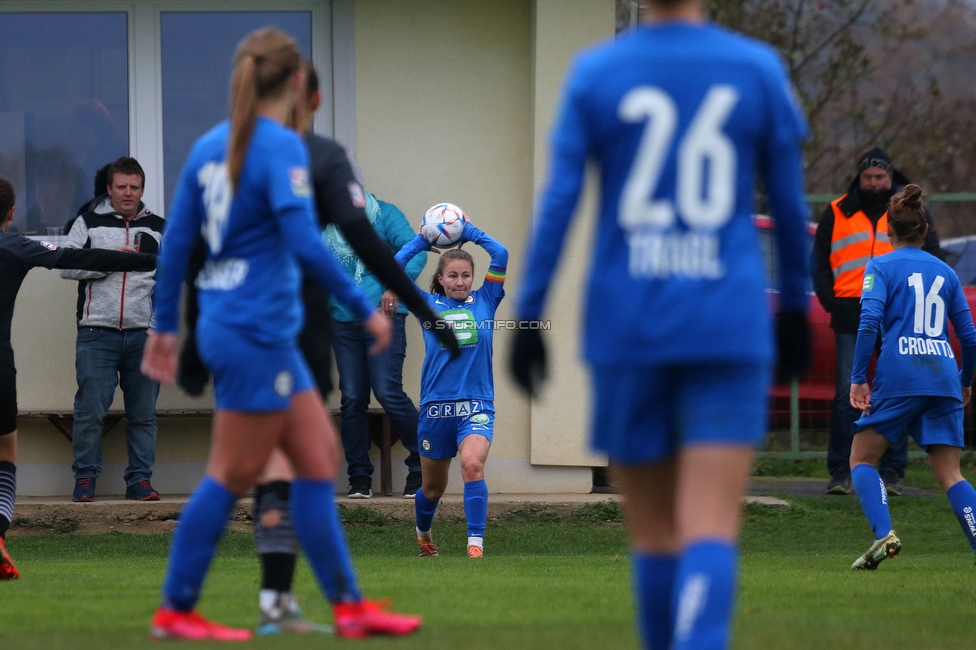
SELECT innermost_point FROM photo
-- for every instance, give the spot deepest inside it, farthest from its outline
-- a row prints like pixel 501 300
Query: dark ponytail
pixel 906 215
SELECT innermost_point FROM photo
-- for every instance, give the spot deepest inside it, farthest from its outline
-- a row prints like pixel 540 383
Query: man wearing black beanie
pixel 852 230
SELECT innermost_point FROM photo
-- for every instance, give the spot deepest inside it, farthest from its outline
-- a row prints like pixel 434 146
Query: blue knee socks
pixel 962 498
pixel 315 518
pixel 873 497
pixel 476 507
pixel 200 527
pixel 424 509
pixel 704 595
pixel 653 583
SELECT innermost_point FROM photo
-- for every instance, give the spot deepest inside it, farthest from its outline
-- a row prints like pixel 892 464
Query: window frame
pixel 333 54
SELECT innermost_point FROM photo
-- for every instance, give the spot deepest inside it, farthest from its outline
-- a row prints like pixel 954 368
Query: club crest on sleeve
pixel 299 182
pixel 356 194
pixel 49 246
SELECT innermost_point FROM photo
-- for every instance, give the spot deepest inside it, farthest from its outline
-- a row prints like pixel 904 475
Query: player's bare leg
pixel 962 497
pixel 945 465
pixel 240 446
pixel 312 445
pixel 711 483
pixel 648 492
pixel 433 483
pixel 8 495
pixel 866 451
pixel 473 451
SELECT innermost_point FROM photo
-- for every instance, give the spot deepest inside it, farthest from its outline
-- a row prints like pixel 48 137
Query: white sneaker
pixel 882 549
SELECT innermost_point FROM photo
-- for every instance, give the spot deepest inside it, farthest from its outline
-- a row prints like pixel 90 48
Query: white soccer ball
pixel 443 224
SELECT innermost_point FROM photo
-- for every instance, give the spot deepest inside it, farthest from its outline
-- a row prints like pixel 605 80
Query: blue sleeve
pixel 567 164
pixel 289 193
pixel 962 323
pixel 874 285
pixel 867 335
pixel 494 284
pixel 411 249
pixel 873 300
pixel 781 167
pixel 289 184
pixel 397 233
pixel 182 226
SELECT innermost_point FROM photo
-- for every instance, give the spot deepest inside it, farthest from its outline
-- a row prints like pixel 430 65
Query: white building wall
pixel 453 101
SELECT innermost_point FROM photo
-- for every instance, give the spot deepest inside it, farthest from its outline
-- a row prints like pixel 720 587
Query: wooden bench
pixel 382 436
pixel 64 421
pixel 380 431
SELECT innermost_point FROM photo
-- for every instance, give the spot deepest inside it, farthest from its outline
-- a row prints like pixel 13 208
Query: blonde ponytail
pixel 263 63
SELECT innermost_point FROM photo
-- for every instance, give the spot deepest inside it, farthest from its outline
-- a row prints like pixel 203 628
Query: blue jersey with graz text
pixel 260 238
pixel 678 118
pixel 470 376
pixel 911 294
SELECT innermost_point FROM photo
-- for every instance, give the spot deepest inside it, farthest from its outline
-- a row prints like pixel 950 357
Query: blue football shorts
pixel 251 375
pixel 443 425
pixel 929 420
pixel 646 414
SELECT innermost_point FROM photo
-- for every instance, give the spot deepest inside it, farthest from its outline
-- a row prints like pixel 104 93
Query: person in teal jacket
pixel 383 373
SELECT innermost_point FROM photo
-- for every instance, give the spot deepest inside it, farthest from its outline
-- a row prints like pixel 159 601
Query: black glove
pixel 793 345
pixel 444 333
pixel 146 243
pixel 528 360
pixel 192 375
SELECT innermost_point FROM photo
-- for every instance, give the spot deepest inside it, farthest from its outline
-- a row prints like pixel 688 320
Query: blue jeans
pixel 358 372
pixel 105 358
pixel 844 415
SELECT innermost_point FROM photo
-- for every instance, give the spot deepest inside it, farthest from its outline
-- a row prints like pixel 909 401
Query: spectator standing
pixel 383 373
pixel 852 231
pixel 18 255
pixel 114 311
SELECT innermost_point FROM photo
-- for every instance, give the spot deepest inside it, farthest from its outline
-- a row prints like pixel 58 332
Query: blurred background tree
pixel 897 74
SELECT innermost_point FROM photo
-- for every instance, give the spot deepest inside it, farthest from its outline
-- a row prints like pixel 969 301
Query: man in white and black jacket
pixel 114 311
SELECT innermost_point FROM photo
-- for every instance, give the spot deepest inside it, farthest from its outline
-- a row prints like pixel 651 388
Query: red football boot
pixel 190 626
pixel 7 569
pixel 357 620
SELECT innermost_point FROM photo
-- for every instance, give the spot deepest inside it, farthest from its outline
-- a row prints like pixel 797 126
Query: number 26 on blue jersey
pixel 706 161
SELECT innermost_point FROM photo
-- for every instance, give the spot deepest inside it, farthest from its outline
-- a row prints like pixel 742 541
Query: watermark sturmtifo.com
pixel 491 325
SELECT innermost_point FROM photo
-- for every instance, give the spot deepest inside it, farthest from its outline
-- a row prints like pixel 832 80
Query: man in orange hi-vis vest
pixel 852 230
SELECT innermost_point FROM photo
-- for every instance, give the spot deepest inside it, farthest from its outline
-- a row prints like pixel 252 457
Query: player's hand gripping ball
pixel 443 224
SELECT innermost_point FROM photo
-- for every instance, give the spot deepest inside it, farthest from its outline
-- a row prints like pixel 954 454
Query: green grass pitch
pixel 546 582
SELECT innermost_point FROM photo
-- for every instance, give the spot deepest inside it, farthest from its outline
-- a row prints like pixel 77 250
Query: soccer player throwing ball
pixel 457 413
pixel 245 186
pixel 908 294
pixel 678 116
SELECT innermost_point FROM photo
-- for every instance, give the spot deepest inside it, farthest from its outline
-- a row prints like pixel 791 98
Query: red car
pixel 817 388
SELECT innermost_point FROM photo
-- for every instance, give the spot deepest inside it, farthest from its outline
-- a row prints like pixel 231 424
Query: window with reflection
pixel 64 110
pixel 197 59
